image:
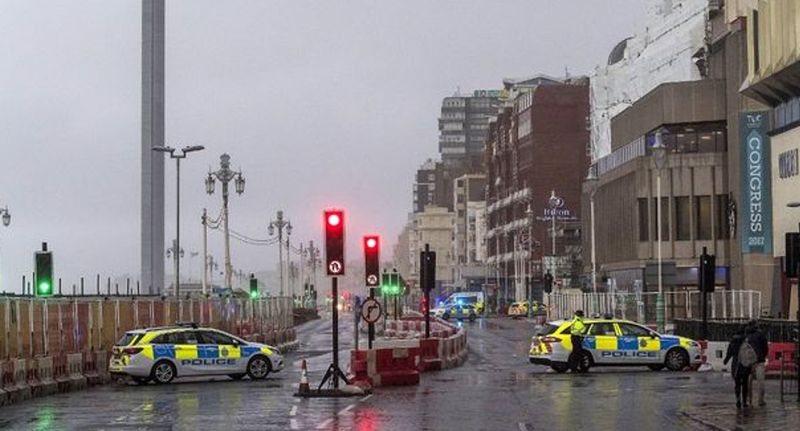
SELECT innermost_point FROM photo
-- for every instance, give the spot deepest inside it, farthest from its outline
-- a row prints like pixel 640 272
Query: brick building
pixel 537 147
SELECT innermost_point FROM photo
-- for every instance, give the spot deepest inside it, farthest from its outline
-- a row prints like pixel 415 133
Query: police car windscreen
pixel 547 329
pixel 129 338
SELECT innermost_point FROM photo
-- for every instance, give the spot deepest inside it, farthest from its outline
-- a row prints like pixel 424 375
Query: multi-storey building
pixel 433 227
pixel 430 186
pixel 535 160
pixel 773 40
pixel 463 126
pixel 468 190
pixel 714 181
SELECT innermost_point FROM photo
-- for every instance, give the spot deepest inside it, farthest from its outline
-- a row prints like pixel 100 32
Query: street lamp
pixel 225 174
pixel 182 155
pixel 6 216
pixel 591 181
pixel 554 203
pixel 659 152
pixel 529 281
pixel 280 223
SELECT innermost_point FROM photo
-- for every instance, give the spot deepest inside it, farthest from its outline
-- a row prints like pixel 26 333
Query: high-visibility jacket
pixel 578 327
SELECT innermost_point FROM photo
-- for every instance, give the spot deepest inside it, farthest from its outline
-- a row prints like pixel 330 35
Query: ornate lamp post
pixel 591 181
pixel 280 223
pixel 659 158
pixel 6 216
pixel 178 157
pixel 225 175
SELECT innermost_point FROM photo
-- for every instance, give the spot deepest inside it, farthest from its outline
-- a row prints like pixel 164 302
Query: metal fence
pixel 776 331
pixel 641 307
pixel 789 382
pixel 30 326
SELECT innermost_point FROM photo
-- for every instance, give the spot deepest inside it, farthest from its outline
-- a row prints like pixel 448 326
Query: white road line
pixel 324 424
pixel 293 412
pixel 523 427
pixel 366 398
pixel 293 424
pixel 346 409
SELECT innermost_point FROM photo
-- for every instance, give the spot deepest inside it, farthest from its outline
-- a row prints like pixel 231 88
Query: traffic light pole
pixel 424 285
pixel 334 372
pixel 703 300
pixel 371 327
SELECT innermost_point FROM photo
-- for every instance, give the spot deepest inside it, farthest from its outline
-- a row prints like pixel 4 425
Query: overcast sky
pixel 321 103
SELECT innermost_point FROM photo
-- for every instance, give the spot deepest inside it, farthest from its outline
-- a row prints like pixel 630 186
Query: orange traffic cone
pixel 304 389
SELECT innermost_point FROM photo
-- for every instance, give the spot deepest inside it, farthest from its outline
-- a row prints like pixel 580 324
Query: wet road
pixel 496 389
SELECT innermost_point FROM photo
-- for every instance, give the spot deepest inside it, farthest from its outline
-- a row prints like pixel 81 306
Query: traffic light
pixel 390 284
pixel 548 283
pixel 44 272
pixel 708 268
pixel 253 287
pixel 334 241
pixel 427 263
pixel 792 254
pixel 372 245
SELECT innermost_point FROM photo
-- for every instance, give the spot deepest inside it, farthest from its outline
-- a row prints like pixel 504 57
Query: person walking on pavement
pixel 577 331
pixel 739 373
pixel 756 338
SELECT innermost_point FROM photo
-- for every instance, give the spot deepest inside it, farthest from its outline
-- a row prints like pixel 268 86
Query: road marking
pixel 346 409
pixel 324 424
pixel 523 427
pixel 293 424
pixel 366 398
pixel 293 412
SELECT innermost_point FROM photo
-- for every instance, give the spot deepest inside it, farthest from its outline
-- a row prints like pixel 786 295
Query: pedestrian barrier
pixel 395 363
pixel 715 355
pixel 779 352
pixel 32 377
pixel 89 368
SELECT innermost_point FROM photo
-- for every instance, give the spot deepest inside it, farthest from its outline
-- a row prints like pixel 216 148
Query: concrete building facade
pixel 773 79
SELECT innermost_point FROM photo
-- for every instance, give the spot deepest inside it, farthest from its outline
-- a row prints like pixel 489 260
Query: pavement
pixel 496 389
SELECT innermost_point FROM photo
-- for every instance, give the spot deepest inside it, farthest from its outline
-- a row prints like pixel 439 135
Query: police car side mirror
pixel 653 335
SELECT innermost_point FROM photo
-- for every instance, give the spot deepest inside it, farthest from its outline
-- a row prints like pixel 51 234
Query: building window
pixel 683 215
pixel 723 228
pixel 702 212
pixel 644 222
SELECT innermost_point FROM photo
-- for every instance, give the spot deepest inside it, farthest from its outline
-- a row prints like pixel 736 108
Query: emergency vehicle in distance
pixel 613 342
pixel 163 353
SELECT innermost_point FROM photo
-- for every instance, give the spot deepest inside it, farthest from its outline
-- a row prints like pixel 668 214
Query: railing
pixel 789 383
pixel 776 330
pixel 31 326
pixel 641 307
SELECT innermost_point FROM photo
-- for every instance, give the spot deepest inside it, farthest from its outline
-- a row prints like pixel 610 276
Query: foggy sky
pixel 321 103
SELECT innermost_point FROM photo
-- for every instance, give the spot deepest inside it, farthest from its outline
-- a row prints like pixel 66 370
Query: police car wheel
pixel 258 368
pixel 163 372
pixel 677 360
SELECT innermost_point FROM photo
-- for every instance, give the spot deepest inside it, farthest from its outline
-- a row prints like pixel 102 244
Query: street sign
pixel 371 310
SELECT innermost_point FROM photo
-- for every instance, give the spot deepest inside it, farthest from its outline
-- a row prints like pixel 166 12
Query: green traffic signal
pixel 254 294
pixel 45 289
pixel 43 262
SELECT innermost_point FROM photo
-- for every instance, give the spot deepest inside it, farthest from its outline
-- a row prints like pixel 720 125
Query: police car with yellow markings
pixel 612 342
pixel 164 353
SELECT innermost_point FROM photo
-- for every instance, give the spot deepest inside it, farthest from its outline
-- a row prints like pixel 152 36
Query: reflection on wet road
pixel 495 389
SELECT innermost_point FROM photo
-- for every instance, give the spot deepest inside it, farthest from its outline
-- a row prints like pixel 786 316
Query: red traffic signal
pixel 372 259
pixel 334 241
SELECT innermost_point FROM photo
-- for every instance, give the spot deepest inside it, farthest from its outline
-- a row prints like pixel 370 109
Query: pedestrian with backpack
pixel 756 338
pixel 740 373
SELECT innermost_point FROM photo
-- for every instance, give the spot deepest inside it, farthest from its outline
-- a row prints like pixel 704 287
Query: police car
pixel 460 312
pixel 164 353
pixel 613 342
